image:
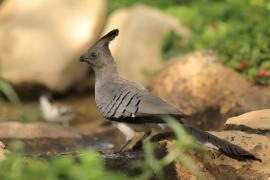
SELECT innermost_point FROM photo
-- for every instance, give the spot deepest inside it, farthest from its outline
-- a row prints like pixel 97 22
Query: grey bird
pixel 134 108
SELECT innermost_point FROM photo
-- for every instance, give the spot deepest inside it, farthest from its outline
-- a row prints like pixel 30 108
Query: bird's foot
pixel 123 147
pixel 137 146
pixel 139 143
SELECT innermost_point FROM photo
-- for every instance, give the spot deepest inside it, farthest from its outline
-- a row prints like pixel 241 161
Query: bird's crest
pixel 106 39
pixel 110 35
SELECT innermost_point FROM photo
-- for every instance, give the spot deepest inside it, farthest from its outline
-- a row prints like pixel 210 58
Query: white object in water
pixel 56 114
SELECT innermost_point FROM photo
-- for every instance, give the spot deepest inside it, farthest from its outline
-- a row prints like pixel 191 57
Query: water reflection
pixel 97 133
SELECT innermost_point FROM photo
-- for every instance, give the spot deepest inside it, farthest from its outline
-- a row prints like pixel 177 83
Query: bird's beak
pixel 83 58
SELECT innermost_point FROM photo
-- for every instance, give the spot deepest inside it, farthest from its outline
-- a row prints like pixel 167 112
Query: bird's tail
pixel 221 145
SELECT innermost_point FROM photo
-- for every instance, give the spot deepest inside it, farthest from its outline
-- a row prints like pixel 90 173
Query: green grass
pixel 23 114
pixel 89 167
pixel 7 90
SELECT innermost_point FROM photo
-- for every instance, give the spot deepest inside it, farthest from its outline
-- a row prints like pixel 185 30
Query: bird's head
pixel 99 54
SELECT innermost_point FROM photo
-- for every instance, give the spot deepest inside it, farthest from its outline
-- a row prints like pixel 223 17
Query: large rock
pixel 137 49
pixel 41 40
pixel 217 166
pixel 209 92
pixel 259 120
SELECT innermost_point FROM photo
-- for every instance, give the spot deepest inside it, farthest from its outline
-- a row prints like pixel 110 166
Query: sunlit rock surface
pixel 200 86
pixel 259 120
pixel 212 164
pixel 137 49
pixel 42 40
pixel 217 166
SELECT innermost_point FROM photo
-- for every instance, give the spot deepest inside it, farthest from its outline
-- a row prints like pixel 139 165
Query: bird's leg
pixel 132 141
pixel 129 135
pixel 124 145
pixel 139 143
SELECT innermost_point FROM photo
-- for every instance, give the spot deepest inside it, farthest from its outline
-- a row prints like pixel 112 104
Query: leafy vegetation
pixel 9 92
pixel 22 113
pixel 172 45
pixel 89 167
pixel 237 29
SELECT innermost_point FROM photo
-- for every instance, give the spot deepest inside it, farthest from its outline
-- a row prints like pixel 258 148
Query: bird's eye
pixel 93 55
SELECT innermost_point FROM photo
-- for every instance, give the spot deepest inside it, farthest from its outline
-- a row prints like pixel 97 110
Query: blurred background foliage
pixel 88 166
pixel 9 93
pixel 237 29
pixel 23 113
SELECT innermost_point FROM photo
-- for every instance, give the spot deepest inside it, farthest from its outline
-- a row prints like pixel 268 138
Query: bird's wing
pixel 153 105
pixel 137 105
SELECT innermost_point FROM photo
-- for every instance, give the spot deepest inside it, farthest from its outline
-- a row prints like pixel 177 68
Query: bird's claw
pixel 123 147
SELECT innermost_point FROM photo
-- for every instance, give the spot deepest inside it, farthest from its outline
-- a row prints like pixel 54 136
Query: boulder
pixel 259 120
pixel 212 164
pixel 42 40
pixel 200 86
pixel 217 166
pixel 137 49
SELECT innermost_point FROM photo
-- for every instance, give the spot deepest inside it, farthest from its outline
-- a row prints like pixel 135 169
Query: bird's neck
pixel 105 74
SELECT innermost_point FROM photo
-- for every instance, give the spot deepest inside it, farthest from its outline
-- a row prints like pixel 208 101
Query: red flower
pixel 262 73
pixel 213 26
pixel 243 64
